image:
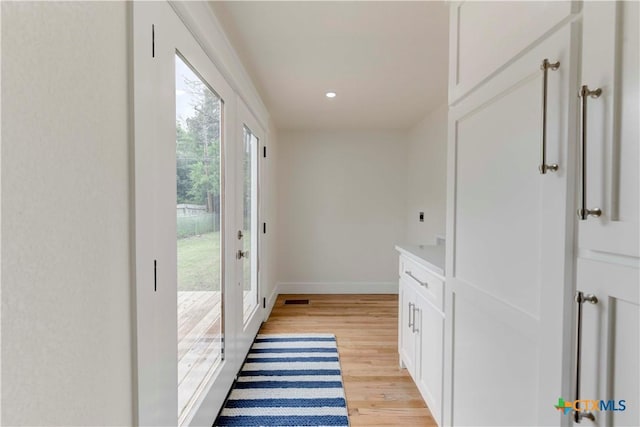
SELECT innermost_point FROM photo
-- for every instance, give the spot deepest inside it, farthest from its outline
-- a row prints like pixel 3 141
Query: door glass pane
pixel 250 222
pixel 199 242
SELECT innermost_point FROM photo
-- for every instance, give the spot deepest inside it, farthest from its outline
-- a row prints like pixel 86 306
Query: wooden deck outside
pixel 199 340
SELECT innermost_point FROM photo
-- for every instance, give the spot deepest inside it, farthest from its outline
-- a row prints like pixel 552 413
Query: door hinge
pixel 153 40
pixel 264 303
pixel 264 151
pixel 155 275
pixel 264 228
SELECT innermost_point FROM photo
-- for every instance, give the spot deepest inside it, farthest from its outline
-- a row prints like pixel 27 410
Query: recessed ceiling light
pixel 330 94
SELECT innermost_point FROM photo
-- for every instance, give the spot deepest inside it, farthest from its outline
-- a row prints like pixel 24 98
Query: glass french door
pixel 249 232
pixel 185 116
pixel 248 145
pixel 198 232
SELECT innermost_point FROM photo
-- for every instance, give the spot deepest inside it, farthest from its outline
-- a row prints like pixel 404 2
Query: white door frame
pixel 249 329
pixel 157 33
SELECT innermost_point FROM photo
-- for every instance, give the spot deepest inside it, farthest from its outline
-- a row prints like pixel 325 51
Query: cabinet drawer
pixel 429 285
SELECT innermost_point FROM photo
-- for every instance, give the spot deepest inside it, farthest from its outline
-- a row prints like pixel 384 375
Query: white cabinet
pixel 485 36
pixel 517 252
pixel 610 352
pixel 507 224
pixel 421 329
pixel 407 329
pixel 430 324
pixel 610 63
pixel 608 246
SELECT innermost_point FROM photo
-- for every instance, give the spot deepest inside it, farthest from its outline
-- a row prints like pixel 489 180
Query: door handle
pixel 580 299
pixel 583 212
pixel 545 67
pixel 242 254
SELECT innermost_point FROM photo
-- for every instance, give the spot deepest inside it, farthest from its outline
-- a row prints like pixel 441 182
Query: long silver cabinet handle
pixel 415 329
pixel 408 273
pixel 580 299
pixel 545 67
pixel 410 313
pixel 583 212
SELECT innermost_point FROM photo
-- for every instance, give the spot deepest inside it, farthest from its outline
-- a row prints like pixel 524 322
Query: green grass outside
pixel 199 263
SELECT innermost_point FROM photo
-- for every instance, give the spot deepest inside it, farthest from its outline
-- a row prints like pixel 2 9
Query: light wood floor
pixel 366 327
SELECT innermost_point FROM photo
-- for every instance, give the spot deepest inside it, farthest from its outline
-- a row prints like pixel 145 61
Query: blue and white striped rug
pixel 288 380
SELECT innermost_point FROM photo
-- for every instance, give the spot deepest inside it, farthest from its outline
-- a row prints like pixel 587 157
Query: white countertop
pixel 431 256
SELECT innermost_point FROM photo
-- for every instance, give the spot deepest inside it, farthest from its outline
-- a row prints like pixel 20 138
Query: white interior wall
pixel 426 177
pixel 341 209
pixel 66 275
pixel 268 199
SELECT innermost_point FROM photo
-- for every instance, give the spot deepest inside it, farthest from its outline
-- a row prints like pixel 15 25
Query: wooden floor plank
pixel 378 392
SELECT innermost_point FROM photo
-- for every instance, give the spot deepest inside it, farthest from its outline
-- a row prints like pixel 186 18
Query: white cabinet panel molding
pixel 508 239
pixel 486 36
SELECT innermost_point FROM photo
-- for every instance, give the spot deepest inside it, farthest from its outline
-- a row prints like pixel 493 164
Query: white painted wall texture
pixel 269 200
pixel 341 206
pixel 426 177
pixel 341 200
pixel 66 275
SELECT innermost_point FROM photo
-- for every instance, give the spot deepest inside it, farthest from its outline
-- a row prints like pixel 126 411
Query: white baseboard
pixel 337 288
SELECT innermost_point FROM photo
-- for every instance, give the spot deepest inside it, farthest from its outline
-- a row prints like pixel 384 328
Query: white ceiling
pixel 387 61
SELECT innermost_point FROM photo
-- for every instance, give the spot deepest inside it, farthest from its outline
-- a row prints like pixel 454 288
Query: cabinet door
pixel 407 327
pixel 610 63
pixel 486 36
pixel 507 294
pixel 608 264
pixel 429 353
pixel 610 342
